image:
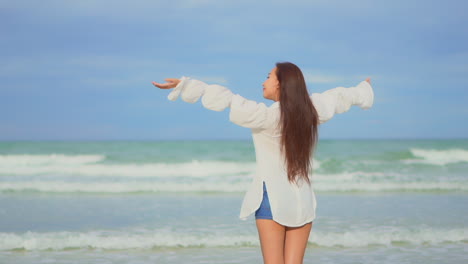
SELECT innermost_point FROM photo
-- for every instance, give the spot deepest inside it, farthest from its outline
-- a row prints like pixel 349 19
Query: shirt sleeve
pixel 251 114
pixel 214 97
pixel 340 99
pixel 244 112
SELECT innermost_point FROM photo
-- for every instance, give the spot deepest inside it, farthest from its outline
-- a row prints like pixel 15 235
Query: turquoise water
pixel 378 201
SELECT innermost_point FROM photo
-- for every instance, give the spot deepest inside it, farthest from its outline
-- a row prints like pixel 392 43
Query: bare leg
pixel 295 243
pixel 272 237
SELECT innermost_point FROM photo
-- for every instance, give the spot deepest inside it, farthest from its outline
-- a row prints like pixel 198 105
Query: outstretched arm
pixel 245 113
pixel 214 97
pixel 339 100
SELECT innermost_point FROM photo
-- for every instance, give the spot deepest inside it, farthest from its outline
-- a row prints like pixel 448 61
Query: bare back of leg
pixel 295 244
pixel 272 237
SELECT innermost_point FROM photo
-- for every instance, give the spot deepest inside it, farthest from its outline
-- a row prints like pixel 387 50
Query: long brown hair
pixel 299 121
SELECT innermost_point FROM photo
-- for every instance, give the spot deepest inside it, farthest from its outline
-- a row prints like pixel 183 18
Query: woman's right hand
pixel 368 80
pixel 171 83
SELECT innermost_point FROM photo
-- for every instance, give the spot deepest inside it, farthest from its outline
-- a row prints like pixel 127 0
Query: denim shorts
pixel 264 211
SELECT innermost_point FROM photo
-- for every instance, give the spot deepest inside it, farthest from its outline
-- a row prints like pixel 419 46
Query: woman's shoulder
pixel 274 105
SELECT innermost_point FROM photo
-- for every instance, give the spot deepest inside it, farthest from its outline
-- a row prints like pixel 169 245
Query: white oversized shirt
pixel 291 205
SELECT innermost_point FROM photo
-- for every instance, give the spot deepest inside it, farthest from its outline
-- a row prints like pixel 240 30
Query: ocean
pixel 378 201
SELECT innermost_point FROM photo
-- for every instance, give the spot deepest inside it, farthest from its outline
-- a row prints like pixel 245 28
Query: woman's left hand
pixel 171 83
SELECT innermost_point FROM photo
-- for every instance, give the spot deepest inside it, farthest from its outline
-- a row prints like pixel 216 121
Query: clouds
pixel 111 51
pixel 315 76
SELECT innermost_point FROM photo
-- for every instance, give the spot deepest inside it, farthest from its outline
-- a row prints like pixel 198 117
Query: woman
pixel 285 135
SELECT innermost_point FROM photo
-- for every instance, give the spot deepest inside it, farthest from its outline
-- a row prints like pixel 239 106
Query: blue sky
pixel 82 70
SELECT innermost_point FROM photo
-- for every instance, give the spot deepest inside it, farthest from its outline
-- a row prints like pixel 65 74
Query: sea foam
pixel 164 238
pixel 438 157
